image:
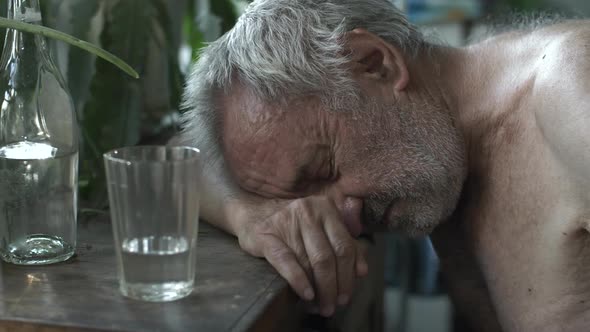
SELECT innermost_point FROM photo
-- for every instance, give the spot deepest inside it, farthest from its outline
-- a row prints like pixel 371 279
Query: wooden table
pixel 234 292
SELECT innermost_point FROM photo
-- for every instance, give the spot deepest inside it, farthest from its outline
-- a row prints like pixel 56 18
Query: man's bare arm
pixel 219 197
pixel 303 239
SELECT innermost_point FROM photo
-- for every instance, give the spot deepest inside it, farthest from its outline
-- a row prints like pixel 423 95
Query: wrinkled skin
pixel 404 165
pixel 389 161
pixel 503 125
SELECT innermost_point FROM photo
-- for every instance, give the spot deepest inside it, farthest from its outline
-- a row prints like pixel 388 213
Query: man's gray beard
pixel 425 194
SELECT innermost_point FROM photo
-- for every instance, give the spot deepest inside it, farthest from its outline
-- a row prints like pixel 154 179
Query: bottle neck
pixel 30 50
pixel 28 11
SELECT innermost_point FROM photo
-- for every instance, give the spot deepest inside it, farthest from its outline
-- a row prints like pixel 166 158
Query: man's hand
pixel 307 243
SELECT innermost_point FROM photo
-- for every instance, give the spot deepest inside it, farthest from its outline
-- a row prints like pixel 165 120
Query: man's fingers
pixel 323 264
pixel 362 267
pixel 345 250
pixel 285 262
pixel 302 258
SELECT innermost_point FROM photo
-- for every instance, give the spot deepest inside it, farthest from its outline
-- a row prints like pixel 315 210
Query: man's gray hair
pixel 282 49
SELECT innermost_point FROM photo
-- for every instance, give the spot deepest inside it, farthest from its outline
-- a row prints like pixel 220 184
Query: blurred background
pixel 160 38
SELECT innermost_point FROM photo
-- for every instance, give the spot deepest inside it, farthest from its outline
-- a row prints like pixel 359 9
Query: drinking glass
pixel 154 201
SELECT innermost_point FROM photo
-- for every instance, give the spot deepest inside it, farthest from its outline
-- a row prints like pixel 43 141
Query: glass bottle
pixel 38 149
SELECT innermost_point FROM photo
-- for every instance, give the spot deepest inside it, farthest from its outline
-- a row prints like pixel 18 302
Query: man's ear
pixel 374 59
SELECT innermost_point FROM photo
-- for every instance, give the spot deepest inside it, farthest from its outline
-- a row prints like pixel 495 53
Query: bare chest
pixel 523 214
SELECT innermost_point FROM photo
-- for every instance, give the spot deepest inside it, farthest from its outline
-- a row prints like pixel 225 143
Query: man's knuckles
pixel 313 209
pixel 277 252
pixel 322 260
pixel 303 210
pixel 345 249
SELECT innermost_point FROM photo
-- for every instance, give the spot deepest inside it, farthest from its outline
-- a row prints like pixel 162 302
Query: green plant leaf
pixel 173 39
pixel 113 114
pixel 81 64
pixel 194 36
pixel 51 33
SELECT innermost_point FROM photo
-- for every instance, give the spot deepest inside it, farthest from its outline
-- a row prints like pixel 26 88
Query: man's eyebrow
pixel 307 173
pixel 257 183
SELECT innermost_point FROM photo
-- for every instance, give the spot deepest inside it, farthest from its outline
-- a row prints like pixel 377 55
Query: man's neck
pixel 477 84
pixel 447 76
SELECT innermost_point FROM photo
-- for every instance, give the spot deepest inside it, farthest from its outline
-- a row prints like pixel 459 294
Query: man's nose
pixel 350 209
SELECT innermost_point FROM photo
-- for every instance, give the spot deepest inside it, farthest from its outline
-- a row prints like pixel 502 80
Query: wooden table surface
pixel 233 291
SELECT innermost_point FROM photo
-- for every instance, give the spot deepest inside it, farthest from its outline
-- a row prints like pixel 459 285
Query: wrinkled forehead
pixel 245 119
pixel 249 127
pixel 264 142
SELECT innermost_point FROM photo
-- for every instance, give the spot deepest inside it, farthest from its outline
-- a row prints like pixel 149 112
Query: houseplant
pixel 113 108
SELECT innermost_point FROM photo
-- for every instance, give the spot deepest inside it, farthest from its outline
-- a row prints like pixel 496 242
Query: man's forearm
pixel 216 204
pixel 219 204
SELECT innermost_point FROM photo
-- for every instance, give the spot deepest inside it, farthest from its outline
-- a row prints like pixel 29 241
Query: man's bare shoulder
pixel 565 26
pixel 561 98
pixel 560 41
pixel 563 64
pixel 571 41
pixel 562 72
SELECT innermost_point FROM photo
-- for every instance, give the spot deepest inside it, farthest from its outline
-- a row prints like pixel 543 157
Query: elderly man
pixel 323 119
